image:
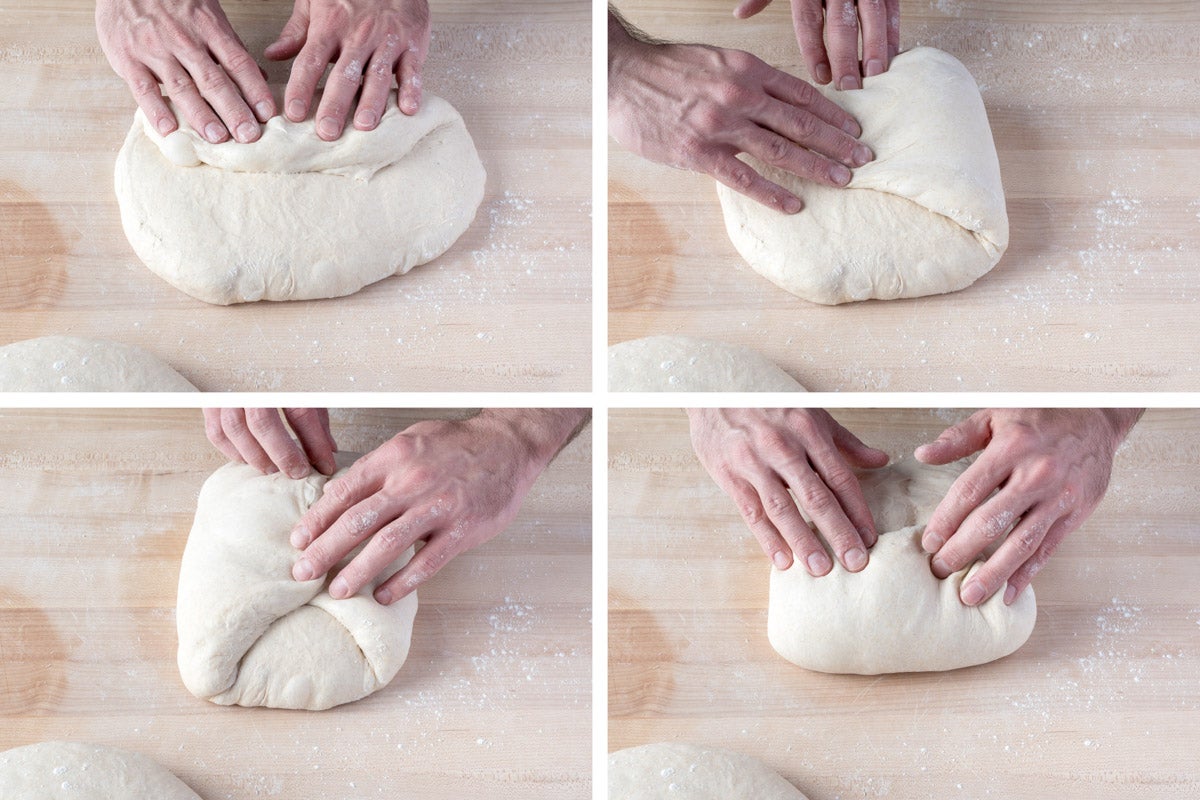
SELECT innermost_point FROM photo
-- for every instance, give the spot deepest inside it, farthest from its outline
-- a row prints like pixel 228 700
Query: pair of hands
pixel 452 484
pixel 1049 469
pixel 191 49
pixel 697 107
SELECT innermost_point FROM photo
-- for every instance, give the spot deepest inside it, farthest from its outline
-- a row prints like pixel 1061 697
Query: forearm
pixel 1122 421
pixel 540 434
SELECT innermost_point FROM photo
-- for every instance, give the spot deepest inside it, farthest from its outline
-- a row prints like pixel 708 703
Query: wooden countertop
pixel 494 700
pixel 507 308
pixel 1093 108
pixel 1101 702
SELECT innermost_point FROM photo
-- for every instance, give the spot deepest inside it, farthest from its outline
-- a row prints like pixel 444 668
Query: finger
pixel 222 95
pixel 311 426
pixel 233 423
pixel 893 28
pixel 350 529
pixel 841 40
pixel 966 494
pixel 748 8
pixel 377 85
pixel 827 514
pixel 1024 541
pixel 1032 566
pixel 786 518
pixel 246 75
pixel 307 70
pixel 856 452
pixel 187 99
pixel 750 506
pixel 428 561
pixel 846 488
pixel 212 429
pixel 793 91
pixel 958 441
pixel 384 547
pixel 340 494
pixel 808 20
pixel 340 88
pixel 292 37
pixel 983 527
pixel 814 133
pixel 784 154
pixel 268 429
pixel 737 175
pixel 149 98
pixel 873 17
pixel 412 62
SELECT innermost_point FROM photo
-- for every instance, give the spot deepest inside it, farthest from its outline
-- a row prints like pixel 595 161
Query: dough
pixel 71 364
pixel 291 217
pixel 927 216
pixel 673 771
pixel 248 633
pixel 74 771
pixel 684 364
pixel 894 616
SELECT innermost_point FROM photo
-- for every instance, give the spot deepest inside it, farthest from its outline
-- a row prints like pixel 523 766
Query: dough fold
pixel 894 615
pixel 927 216
pixel 77 771
pixel 251 635
pixel 677 771
pixel 685 364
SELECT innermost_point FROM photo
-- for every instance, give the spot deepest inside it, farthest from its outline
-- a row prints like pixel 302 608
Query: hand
pixel 258 437
pixel 375 38
pixel 190 48
pixel 454 485
pixel 696 107
pixel 756 455
pixel 832 37
pixel 1049 469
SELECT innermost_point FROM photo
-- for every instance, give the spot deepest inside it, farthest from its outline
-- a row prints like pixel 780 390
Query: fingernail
pixel 339 589
pixel 303 571
pixel 849 82
pixel 874 67
pixel 383 596
pixel 781 560
pixel 840 174
pixel 939 567
pixel 855 559
pixel 299 538
pixel 792 205
pixel 932 542
pixel 328 127
pixel 296 110
pixel 819 563
pixel 165 126
pixel 365 119
pixel 972 593
pixel 247 132
pixel 214 132
pixel 822 74
pixel 1010 594
pixel 263 110
pixel 852 127
pixel 862 155
pixel 408 105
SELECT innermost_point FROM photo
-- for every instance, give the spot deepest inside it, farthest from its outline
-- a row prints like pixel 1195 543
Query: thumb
pixel 292 37
pixel 958 441
pixel 748 8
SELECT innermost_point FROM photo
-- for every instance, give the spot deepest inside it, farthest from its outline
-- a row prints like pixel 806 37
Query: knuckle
pixel 776 150
pixel 179 85
pixel 814 497
pixel 779 505
pixel 258 419
pixel 240 62
pixel 209 77
pixel 805 126
pixel 841 480
pixel 751 511
pixel 340 490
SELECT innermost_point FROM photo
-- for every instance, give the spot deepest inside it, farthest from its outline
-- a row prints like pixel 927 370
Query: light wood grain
pixel 494 700
pixel 1093 109
pixel 508 307
pixel 1101 702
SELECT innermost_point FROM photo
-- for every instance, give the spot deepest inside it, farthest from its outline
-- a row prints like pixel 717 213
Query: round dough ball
pixel 291 217
pixel 674 771
pixel 927 216
pixel 251 635
pixel 72 364
pixel 75 771
pixel 894 615
pixel 684 364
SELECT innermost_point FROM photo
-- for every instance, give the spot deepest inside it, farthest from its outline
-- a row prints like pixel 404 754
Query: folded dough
pixel 894 615
pixel 72 364
pixel 76 771
pixel 675 771
pixel 927 216
pixel 251 635
pixel 685 364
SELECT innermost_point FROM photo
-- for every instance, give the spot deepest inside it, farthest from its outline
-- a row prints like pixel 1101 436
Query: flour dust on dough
pixel 76 771
pixel 676 771
pixel 894 615
pixel 73 364
pixel 251 635
pixel 686 364
pixel 291 217
pixel 927 216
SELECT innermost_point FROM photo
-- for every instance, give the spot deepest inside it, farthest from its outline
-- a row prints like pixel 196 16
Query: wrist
pixel 534 436
pixel 1120 422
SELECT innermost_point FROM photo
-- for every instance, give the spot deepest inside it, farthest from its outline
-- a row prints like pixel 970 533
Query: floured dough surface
pixel 686 364
pixel 73 364
pixel 291 217
pixel 894 615
pixel 251 635
pixel 927 216
pixel 675 771
pixel 76 771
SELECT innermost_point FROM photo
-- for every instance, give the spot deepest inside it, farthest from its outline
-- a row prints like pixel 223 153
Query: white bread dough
pixel 674 771
pixel 291 217
pixel 685 364
pixel 251 635
pixel 72 364
pixel 927 216
pixel 895 615
pixel 75 771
